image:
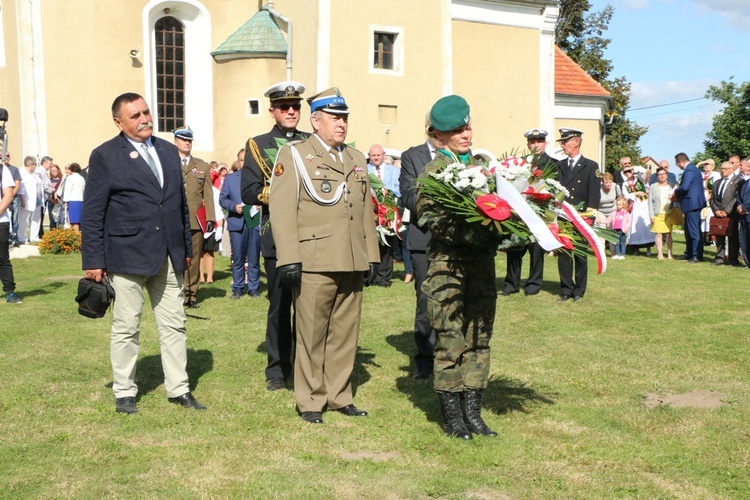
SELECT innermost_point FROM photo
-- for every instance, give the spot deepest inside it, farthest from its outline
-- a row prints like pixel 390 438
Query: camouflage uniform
pixel 461 292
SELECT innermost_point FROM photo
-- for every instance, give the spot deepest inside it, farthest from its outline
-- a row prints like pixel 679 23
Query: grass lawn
pixel 567 391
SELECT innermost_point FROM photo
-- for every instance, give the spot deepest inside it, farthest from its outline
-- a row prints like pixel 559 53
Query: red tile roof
pixel 571 79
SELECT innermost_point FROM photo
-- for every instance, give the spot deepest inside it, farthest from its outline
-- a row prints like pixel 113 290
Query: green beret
pixel 449 113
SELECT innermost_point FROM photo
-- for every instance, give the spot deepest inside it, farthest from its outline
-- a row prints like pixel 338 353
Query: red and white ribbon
pixel 570 213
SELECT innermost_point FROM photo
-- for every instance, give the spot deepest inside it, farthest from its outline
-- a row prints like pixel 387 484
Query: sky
pixel 672 51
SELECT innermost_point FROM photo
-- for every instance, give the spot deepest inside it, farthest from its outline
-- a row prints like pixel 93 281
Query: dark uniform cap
pixel 449 113
pixel 569 133
pixel 536 133
pixel 329 101
pixel 184 133
pixel 285 90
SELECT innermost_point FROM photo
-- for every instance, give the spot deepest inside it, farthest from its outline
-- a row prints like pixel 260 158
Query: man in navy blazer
pixel 413 161
pixel 245 241
pixel 135 231
pixel 692 200
pixel 743 207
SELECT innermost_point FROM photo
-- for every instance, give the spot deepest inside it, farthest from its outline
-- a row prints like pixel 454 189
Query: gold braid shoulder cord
pixel 264 169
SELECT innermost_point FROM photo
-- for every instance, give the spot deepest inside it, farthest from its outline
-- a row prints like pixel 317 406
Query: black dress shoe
pixel 527 293
pixel 126 405
pixel 576 298
pixel 188 401
pixel 312 417
pixel 352 411
pixel 505 293
pixel 421 374
pixel 563 298
pixel 693 261
pixel 192 305
pixel 275 384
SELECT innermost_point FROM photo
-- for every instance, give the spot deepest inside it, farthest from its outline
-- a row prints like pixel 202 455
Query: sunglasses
pixel 285 107
pixel 627 171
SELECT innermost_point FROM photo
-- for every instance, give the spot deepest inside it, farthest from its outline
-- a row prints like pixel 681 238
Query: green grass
pixel 566 395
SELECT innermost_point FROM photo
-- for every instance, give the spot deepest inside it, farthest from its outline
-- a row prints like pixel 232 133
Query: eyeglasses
pixel 285 107
pixel 627 171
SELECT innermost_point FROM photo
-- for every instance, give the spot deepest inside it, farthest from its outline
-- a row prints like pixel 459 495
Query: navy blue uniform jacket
pixel 690 191
pixel 582 182
pixel 129 223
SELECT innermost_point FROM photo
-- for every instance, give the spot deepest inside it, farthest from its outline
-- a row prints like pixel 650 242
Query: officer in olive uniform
pixel 536 141
pixel 324 227
pixel 285 98
pixel 199 192
pixel 460 284
pixel 580 176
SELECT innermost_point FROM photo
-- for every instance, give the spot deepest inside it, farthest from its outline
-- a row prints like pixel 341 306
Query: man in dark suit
pixel 692 200
pixel 536 140
pixel 285 98
pixel 580 176
pixel 244 238
pixel 723 202
pixel 413 161
pixel 136 232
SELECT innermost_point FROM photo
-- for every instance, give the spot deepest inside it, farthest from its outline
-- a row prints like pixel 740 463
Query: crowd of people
pixel 33 194
pixel 152 215
pixel 643 209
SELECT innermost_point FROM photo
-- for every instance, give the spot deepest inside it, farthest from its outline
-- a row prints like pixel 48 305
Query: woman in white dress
pixel 636 191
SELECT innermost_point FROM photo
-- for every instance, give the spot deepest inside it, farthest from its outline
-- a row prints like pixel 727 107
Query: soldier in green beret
pixel 460 284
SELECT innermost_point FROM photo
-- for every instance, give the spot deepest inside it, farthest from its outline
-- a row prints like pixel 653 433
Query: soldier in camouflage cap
pixel 460 284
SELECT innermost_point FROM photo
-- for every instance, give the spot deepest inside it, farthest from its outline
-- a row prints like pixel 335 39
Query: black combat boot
pixel 471 407
pixel 450 403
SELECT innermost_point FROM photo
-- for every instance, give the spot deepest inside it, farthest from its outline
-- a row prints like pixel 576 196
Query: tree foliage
pixel 730 134
pixel 581 35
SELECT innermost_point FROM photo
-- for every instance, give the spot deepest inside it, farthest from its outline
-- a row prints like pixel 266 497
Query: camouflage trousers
pixel 461 300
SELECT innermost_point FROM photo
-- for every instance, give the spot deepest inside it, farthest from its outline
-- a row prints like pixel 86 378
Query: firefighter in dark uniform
pixel 536 140
pixel 580 176
pixel 285 98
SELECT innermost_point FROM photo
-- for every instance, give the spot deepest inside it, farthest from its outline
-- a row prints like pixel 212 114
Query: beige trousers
pixel 165 292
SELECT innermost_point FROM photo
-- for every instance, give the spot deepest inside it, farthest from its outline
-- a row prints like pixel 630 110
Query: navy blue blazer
pixel 229 198
pixel 690 192
pixel 743 198
pixel 413 161
pixel 129 223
